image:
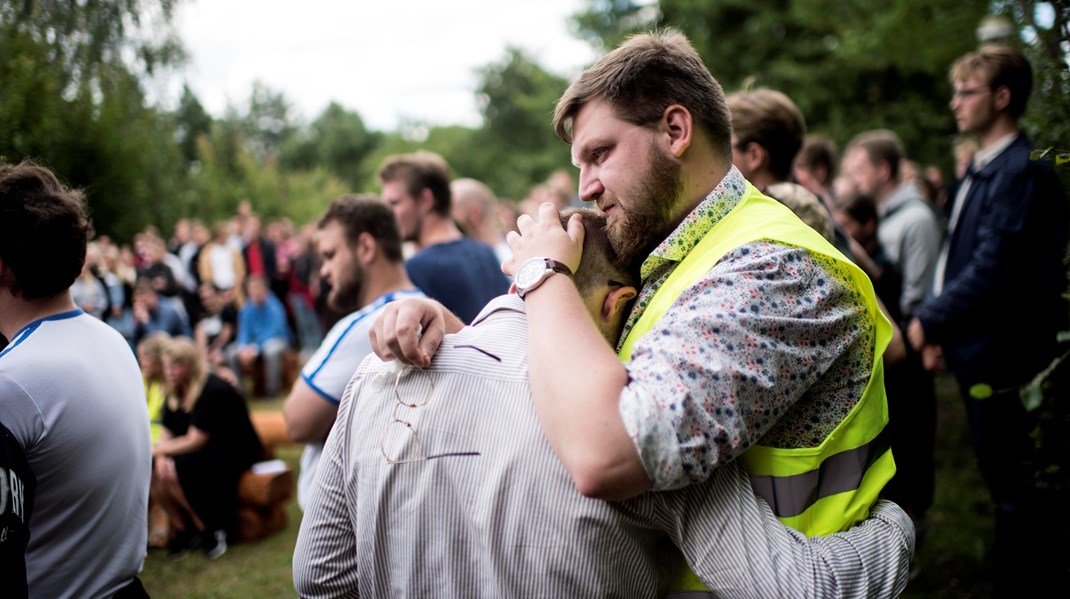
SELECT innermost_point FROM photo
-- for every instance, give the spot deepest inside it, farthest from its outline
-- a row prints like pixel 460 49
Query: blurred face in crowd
pixel 406 209
pixel 176 371
pixel 257 291
pixel 863 176
pixel 634 182
pixel 974 105
pixel 340 268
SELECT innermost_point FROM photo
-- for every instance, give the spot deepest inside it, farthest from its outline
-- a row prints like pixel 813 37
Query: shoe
pixel 215 544
pixel 181 543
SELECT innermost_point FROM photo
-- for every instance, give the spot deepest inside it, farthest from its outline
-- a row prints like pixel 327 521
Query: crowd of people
pixel 729 389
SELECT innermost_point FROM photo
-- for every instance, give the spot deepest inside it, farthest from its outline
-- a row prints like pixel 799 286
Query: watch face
pixel 530 272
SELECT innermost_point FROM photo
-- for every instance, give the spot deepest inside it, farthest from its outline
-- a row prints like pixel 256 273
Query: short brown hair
pixel 880 145
pixel 366 213
pixel 999 65
pixel 770 119
pixel 818 150
pixel 600 263
pixel 44 230
pixel 641 78
pixel 419 171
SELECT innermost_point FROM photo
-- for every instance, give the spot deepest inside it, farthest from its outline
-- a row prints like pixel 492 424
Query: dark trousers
pixel 1030 553
pixel 912 426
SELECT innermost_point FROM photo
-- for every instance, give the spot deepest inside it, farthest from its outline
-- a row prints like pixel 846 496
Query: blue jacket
pixel 1001 306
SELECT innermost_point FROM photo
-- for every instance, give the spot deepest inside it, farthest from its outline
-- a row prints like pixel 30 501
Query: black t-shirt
pixel 17 487
pixel 221 412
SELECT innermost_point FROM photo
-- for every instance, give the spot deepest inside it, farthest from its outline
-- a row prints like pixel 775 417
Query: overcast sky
pixel 389 60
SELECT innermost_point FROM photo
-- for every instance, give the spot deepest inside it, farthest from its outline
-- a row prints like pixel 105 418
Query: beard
pixel 639 229
pixel 345 295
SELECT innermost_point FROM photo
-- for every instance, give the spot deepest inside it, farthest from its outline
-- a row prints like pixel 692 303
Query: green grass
pixel 951 559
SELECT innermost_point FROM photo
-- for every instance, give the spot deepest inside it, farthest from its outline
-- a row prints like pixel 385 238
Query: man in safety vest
pixel 752 336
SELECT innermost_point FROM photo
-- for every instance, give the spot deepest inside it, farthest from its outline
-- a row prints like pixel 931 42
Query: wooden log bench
pixel 264 490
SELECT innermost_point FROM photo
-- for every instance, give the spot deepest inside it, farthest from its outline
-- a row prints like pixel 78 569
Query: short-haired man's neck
pixel 16 312
pixel 704 167
pixel 436 228
pixel 381 277
pixel 1000 127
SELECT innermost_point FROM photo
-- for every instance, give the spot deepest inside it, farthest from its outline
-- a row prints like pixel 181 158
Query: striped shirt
pixel 493 513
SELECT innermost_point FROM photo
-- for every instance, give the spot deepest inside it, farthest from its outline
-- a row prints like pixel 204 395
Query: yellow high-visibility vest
pixel 815 490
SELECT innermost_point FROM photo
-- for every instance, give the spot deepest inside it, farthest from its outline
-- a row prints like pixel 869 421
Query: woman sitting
pixel 207 443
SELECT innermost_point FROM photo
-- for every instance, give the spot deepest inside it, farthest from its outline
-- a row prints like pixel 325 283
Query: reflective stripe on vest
pixel 816 490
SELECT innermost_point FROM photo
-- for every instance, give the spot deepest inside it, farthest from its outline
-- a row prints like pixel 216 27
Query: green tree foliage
pixel 72 99
pixel 872 64
pixel 192 122
pixel 338 141
pixel 516 147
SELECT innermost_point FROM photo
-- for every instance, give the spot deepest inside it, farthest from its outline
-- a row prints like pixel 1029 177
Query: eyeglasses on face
pixel 400 441
pixel 966 92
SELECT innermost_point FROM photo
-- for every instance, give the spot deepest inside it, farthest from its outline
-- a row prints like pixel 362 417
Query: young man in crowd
pixel 72 397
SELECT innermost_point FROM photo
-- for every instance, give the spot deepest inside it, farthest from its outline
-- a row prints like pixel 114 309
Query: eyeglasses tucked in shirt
pixel 400 441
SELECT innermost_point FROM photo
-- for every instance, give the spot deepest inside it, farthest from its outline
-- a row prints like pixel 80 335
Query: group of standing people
pixel 691 388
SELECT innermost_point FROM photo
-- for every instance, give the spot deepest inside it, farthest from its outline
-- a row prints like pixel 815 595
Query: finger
pixel 524 224
pixel 548 214
pixel 379 334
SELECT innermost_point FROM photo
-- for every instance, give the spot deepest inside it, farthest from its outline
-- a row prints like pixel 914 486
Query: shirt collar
pixel 697 223
pixel 986 155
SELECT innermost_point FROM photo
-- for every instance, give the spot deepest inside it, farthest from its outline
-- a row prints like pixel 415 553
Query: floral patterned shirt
pixel 773 344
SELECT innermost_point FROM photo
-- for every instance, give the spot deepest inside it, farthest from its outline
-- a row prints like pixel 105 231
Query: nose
pixel 591 187
pixel 325 272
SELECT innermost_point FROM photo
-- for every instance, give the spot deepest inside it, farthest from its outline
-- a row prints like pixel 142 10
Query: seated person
pixel 216 330
pixel 208 442
pixel 150 358
pixel 152 315
pixel 456 451
pixel 262 334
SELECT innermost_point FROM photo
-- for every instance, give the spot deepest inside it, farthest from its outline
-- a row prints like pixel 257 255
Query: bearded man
pixel 362 260
pixel 752 337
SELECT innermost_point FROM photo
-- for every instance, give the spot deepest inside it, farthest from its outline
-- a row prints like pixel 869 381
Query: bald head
pixel 474 206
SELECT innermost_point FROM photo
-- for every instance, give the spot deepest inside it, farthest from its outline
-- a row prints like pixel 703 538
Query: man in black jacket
pixel 996 306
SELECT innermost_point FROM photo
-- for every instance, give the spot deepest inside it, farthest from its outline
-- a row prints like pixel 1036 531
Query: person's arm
pixel 1000 235
pixel 757 555
pixel 194 440
pixel 325 557
pixel 576 378
pixel 308 414
pixel 410 330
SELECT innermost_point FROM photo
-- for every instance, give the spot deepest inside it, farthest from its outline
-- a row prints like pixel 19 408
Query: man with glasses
pixel 440 482
pixel 997 308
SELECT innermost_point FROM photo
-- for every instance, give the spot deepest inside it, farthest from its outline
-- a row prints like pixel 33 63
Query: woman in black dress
pixel 208 442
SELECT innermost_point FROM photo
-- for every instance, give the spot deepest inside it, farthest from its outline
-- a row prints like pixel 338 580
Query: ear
pixel 1002 97
pixel 679 125
pixel 754 158
pixel 616 302
pixel 426 200
pixel 367 249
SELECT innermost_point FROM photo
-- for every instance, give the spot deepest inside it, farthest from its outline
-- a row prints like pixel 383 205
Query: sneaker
pixel 181 543
pixel 215 545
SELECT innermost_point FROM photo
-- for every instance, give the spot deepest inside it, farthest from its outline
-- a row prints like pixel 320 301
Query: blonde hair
pixel 182 349
pixel 153 346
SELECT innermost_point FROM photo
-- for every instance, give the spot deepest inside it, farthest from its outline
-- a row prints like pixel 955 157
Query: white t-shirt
pixel 71 393
pixel 328 371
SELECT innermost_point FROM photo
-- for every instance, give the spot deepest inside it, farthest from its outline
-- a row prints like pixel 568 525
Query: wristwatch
pixel 534 271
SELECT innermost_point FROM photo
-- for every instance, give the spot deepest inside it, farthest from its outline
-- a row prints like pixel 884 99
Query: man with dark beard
pixel 752 337
pixel 362 261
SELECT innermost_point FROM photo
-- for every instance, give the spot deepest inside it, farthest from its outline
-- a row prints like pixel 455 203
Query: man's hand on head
pixel 411 329
pixel 545 238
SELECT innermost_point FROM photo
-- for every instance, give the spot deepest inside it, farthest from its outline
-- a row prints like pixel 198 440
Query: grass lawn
pixel 951 560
